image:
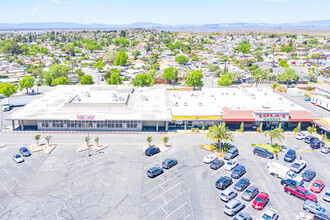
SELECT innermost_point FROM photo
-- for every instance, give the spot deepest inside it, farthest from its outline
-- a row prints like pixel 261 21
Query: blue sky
pixel 164 12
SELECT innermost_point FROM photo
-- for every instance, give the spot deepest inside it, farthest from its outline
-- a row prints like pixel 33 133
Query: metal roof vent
pixel 185 104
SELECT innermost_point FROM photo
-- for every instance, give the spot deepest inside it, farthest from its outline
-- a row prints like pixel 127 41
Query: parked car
pixel 25 152
pixel 18 158
pixel 243 216
pixel 290 156
pixel 313 207
pixel 308 99
pixel 227 195
pixel 325 149
pixel 263 153
pixel 231 164
pixel 322 216
pixel 270 214
pixel 308 175
pixel 290 182
pixel 242 184
pixel 301 136
pixel 238 172
pixel 317 186
pixel 231 153
pixel 260 201
pixel 316 144
pixel 250 193
pixel 309 139
pixel 216 164
pixel 300 192
pixel 209 158
pixel 223 182
pixel 168 163
pixel 152 151
pixel 326 196
pixel 298 166
pixel 233 207
pixel 155 171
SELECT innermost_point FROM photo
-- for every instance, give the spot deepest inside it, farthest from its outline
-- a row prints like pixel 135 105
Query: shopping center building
pixel 124 108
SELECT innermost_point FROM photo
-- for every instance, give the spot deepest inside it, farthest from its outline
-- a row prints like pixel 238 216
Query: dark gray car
pixel 231 153
pixel 250 193
pixel 243 216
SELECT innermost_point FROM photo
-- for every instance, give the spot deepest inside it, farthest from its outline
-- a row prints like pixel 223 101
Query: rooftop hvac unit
pixel 200 104
pixel 291 104
pixel 280 98
pixel 185 104
pixel 87 94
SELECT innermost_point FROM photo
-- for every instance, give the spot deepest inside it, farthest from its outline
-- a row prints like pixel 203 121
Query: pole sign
pixel 276 116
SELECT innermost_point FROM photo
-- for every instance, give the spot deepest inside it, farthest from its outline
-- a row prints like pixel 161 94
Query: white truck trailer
pixel 280 171
pixel 8 103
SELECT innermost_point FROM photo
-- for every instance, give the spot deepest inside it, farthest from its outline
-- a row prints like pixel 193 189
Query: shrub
pixel 309 88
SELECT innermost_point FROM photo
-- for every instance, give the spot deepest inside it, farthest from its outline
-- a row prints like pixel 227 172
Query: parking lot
pixel 112 184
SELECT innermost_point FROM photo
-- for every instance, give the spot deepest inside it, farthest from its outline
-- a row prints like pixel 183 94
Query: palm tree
pixel 149 139
pixel 165 140
pixel 220 133
pixel 48 137
pixel 87 142
pixel 97 141
pixel 276 133
pixel 37 138
pixel 274 86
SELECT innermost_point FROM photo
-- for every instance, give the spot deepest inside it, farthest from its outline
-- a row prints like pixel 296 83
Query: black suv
pixel 262 152
pixel 290 156
pixel 316 144
pixel 223 182
pixel 238 172
pixel 152 151
pixel 290 182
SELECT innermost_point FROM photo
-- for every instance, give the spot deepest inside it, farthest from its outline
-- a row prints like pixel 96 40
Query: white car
pixel 293 176
pixel 325 149
pixel 298 166
pixel 210 158
pixel 301 136
pixel 326 196
pixel 231 164
pixel 18 158
pixel 270 214
pixel 227 195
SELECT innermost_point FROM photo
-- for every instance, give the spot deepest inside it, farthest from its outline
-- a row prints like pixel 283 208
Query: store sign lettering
pixel 85 117
pixel 272 117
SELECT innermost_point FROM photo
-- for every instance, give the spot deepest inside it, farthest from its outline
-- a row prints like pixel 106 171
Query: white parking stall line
pixel 263 213
pixel 248 205
pixel 321 196
pixel 177 209
pixel 21 170
pixel 8 174
pixel 150 165
pixel 6 189
pixel 186 217
pixel 165 212
pixel 215 172
pixel 150 190
pixel 1 207
pixel 161 195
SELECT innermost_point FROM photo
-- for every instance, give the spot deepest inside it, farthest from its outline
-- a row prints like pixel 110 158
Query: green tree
pixel 276 133
pixel 79 72
pixel 312 76
pixel 149 140
pixel 108 73
pixel 97 141
pixel 287 49
pixel 11 48
pixel 136 54
pixel 121 59
pixel 182 59
pixel 275 86
pixel 244 48
pixel 7 89
pixel 122 42
pixel 86 80
pixel 219 133
pixel 169 72
pixel 225 80
pixel 48 137
pixel 54 72
pixel 115 79
pixel 142 80
pixel 258 56
pixel 110 56
pixel 26 82
pixel 212 67
pixel 195 79
pixel 99 65
pixel 195 58
pixel 313 41
pixel 284 63
pixel 37 138
pixel 288 76
pixel 60 81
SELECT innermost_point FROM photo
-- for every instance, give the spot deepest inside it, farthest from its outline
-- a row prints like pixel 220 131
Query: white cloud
pixel 279 1
pixel 36 8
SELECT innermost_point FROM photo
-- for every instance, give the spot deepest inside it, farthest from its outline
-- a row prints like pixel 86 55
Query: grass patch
pixel 274 149
pixel 213 147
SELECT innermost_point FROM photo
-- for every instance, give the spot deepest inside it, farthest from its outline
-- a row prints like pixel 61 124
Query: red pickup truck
pixel 300 192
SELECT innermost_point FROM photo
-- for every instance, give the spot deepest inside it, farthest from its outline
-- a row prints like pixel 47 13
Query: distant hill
pixel 323 25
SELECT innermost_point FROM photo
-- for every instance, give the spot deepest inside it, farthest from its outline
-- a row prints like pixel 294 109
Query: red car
pixel 317 186
pixel 260 201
